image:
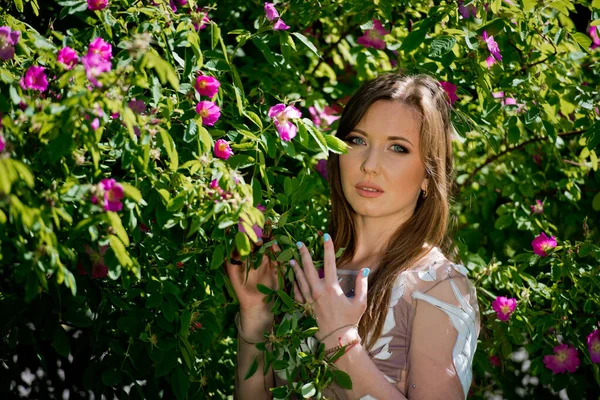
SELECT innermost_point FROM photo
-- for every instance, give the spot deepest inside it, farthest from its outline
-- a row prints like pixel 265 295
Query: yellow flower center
pixel 561 356
pixel 202 84
pixel 204 113
pixel 505 309
pixel 596 347
pixel 222 146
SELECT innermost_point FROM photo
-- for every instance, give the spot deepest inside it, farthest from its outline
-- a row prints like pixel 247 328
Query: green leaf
pixel 117 225
pixel 169 146
pixel 218 257
pixel 215 35
pixel 285 255
pixel 242 243
pixel 190 132
pixel 504 221
pixel 596 202
pixel 205 139
pixel 307 43
pixel 19 5
pixel 166 72
pixel 343 379
pixel 283 328
pixel 583 40
pixel 180 383
pixel 252 369
pixel 169 309
pixel 117 246
pixel 61 343
pixel 132 192
pixel 335 144
pixel 287 300
pixel 308 390
pixel 264 289
pixel 441 45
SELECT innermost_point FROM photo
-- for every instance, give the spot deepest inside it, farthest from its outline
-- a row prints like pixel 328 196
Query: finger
pixel 312 276
pixel 329 260
pixel 234 272
pixel 361 286
pixel 301 280
pixel 298 294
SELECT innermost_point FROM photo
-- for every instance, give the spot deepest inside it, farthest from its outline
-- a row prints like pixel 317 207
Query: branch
pixel 493 158
pixel 330 48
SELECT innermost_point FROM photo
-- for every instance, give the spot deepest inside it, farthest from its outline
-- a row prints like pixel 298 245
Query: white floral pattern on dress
pixel 463 320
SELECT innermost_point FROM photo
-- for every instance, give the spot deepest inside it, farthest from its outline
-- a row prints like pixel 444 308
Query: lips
pixel 370 187
pixel 369 190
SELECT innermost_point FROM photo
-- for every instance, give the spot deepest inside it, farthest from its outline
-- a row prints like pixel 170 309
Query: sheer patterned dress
pixel 430 334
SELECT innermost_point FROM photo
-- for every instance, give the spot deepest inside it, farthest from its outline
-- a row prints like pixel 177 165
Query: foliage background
pixel 133 334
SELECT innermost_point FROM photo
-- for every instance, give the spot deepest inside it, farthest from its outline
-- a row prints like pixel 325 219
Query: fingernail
pixel 292 263
pixel 365 272
pixel 299 245
pixel 326 237
pixel 276 242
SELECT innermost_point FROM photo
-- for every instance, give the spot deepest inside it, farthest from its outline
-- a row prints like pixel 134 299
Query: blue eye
pixel 399 149
pixel 355 140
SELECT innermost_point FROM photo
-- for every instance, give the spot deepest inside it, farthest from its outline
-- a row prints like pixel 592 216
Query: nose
pixel 370 164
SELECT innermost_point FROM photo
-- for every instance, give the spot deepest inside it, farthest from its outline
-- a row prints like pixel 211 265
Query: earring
pixel 425 193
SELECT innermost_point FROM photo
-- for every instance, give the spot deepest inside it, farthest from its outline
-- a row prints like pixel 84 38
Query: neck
pixel 372 236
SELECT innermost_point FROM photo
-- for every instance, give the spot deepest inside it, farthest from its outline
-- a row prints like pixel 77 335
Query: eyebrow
pixel 389 137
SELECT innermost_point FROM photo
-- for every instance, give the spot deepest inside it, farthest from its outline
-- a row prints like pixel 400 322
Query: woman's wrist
pixel 253 326
pixel 341 336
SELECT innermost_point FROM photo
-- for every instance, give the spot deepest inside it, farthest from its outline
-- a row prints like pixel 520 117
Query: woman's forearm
pixel 257 386
pixel 367 379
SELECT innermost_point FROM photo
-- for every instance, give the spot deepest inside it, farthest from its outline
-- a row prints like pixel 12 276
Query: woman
pixel 412 323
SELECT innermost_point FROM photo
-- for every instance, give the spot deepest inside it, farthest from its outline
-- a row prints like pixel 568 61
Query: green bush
pixel 118 287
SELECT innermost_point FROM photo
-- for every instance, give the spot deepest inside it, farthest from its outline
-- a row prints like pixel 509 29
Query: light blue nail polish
pixel 299 245
pixel 292 263
pixel 326 237
pixel 365 272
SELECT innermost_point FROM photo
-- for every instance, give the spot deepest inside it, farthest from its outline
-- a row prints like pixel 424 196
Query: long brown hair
pixel 428 225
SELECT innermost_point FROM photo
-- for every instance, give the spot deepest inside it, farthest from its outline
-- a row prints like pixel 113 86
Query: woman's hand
pixel 331 307
pixel 252 302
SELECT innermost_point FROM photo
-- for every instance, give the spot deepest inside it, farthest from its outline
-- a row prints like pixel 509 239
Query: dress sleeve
pixel 443 340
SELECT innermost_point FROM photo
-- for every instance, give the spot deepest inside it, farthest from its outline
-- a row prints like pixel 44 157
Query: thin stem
pixel 495 157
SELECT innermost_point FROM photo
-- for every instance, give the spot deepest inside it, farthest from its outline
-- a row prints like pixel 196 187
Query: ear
pixel 425 184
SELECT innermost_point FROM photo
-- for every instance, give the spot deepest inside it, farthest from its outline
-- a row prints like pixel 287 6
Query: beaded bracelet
pixel 335 330
pixel 347 347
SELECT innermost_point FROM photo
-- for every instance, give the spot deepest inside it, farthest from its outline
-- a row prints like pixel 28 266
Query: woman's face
pixel 382 174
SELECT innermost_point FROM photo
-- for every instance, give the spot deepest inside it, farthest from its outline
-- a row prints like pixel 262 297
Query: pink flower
pixel 2 143
pixel 492 46
pixel 323 118
pixel 200 20
pixel 95 65
pixel 564 359
pixel 450 89
pixel 209 112
pixel 95 124
pixel 8 41
pixel 542 243
pixel 137 106
pixel 270 11
pixel 282 115
pixel 468 11
pixel 538 208
pixel 537 158
pixel 593 342
pixel 490 61
pixel 97 4
pixel 495 361
pixel 594 36
pixel 280 25
pixel 207 85
pixel 99 269
pixel 113 193
pixel 100 47
pixel 35 79
pixel 222 149
pixel 504 307
pixel 322 168
pixel 374 37
pixel 68 57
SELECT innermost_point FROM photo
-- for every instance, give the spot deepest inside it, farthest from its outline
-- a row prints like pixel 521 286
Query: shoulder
pixel 431 270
